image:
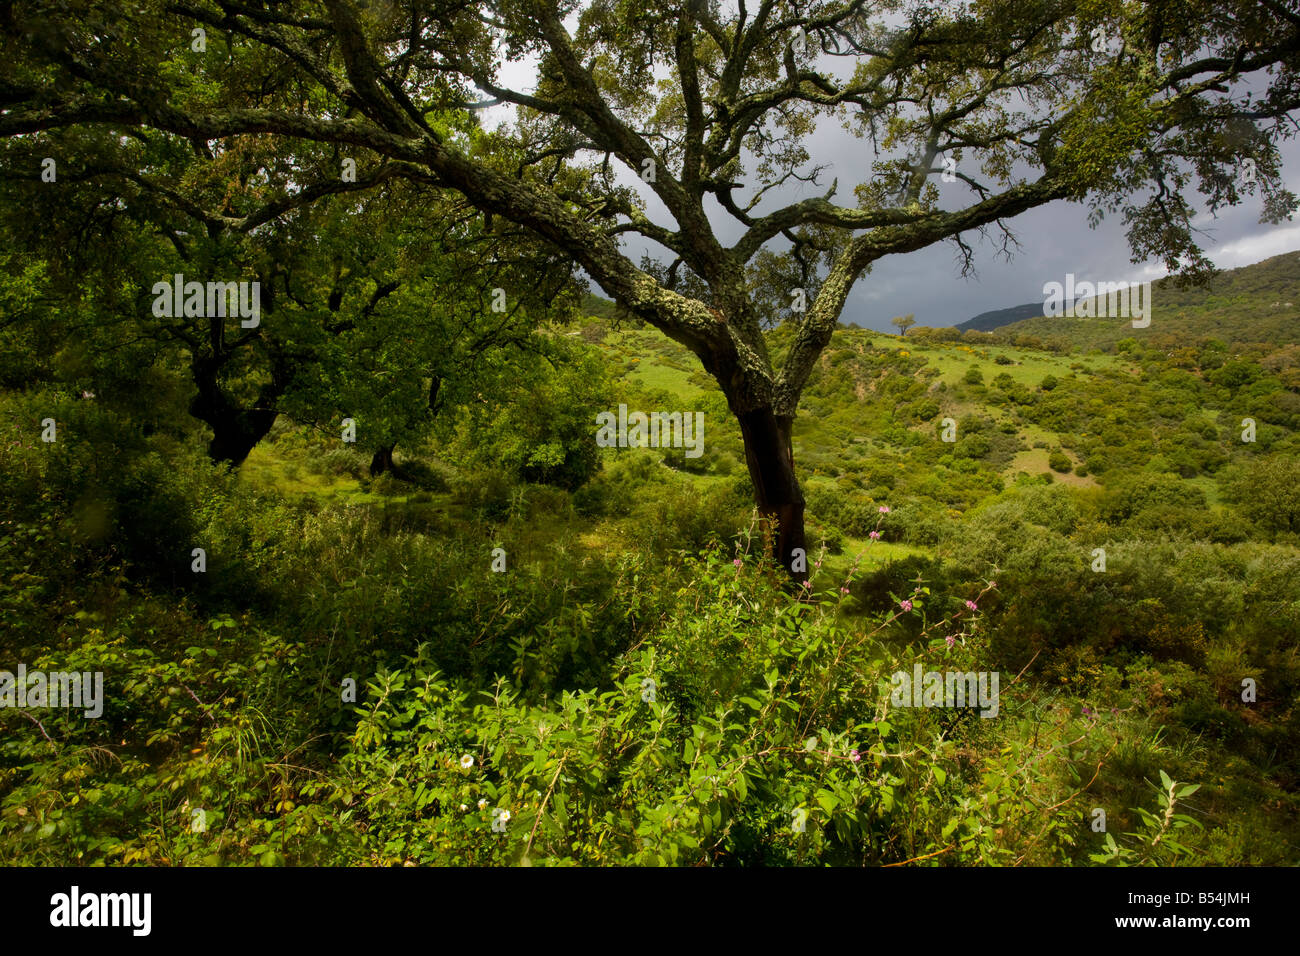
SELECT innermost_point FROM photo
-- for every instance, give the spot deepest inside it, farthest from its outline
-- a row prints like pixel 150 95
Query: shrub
pixel 1268 493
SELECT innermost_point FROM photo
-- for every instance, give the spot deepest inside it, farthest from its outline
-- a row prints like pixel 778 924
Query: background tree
pixel 1034 101
pixel 903 323
pixel 379 330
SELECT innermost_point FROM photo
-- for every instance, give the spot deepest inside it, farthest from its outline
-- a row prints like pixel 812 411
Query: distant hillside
pixel 1256 303
pixel 996 319
pixel 598 307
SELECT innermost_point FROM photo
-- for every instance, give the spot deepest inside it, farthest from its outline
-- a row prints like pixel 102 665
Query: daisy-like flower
pixel 466 762
pixel 463 808
pixel 482 804
pixel 505 816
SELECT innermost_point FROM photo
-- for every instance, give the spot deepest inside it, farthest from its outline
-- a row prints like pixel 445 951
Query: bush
pixel 340 461
pixel 486 492
pixel 1059 461
pixel 1136 495
pixel 1267 492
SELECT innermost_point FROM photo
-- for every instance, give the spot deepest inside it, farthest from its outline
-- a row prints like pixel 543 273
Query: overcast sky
pixel 1054 239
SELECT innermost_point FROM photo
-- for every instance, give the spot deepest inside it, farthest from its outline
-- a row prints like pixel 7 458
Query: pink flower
pixel 737 562
pixel 884 509
pixel 874 536
pixel 993 584
pixel 807 584
pixel 844 590
pixel 906 605
pixel 970 606
pixel 854 756
pixel 950 640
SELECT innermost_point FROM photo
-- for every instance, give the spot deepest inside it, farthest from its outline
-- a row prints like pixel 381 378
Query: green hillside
pixel 1256 305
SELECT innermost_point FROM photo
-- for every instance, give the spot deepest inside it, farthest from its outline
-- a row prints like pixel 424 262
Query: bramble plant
pixel 1154 844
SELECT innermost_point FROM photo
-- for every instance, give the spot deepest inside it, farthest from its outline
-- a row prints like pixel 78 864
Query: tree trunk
pixel 233 438
pixel 235 430
pixel 382 461
pixel 770 458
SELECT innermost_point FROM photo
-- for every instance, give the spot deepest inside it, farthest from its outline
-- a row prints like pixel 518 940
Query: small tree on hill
pixel 904 322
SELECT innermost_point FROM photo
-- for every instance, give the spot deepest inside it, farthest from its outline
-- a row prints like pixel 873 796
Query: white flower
pixel 505 816
pixel 466 762
pixel 482 804
pixel 463 808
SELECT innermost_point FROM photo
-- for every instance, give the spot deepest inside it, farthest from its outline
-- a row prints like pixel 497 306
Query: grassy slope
pixel 1266 293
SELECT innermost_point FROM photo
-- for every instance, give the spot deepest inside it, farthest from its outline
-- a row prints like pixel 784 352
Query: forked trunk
pixel 235 430
pixel 770 457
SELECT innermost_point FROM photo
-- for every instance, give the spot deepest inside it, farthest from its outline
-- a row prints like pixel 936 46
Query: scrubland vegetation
pixel 641 684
